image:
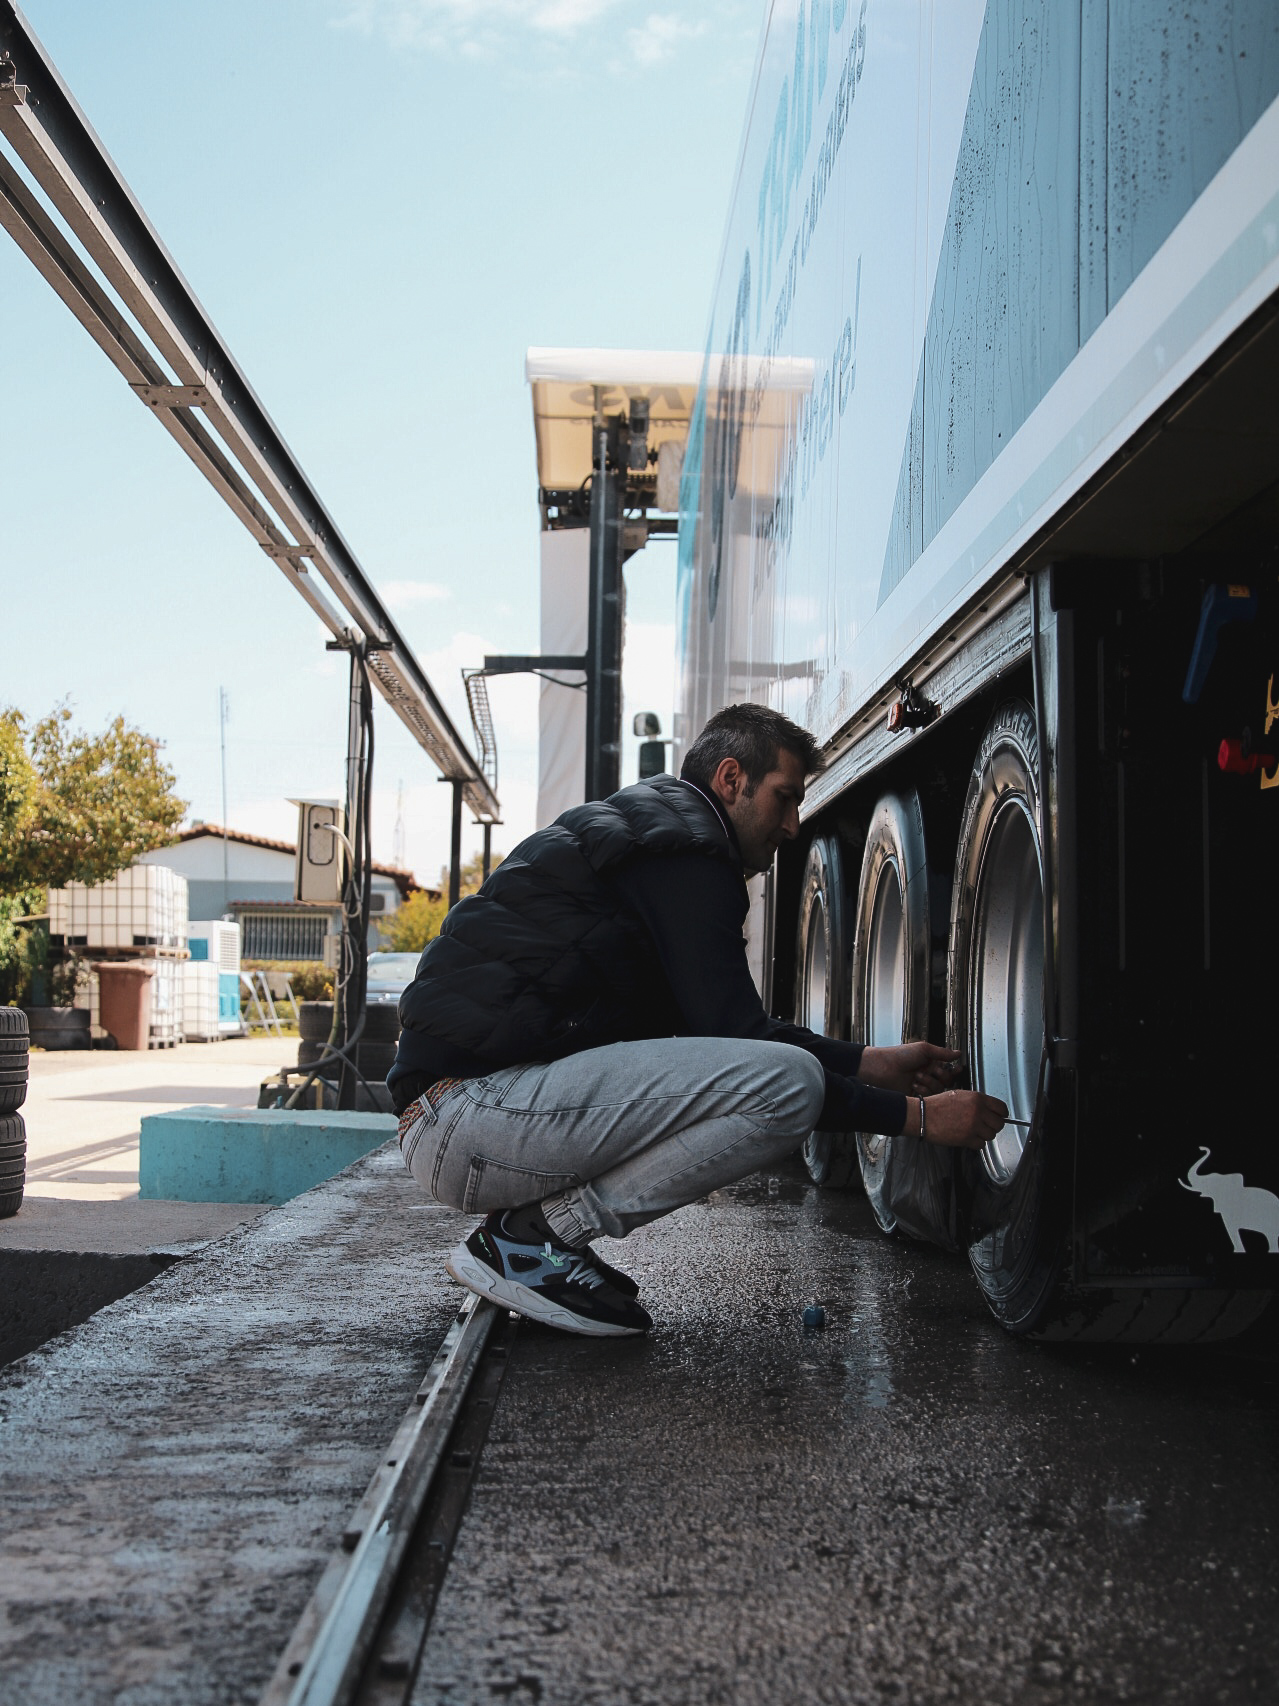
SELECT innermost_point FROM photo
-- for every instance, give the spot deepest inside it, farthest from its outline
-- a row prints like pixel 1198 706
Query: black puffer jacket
pixel 546 960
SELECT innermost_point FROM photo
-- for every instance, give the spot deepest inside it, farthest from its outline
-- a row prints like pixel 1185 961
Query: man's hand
pixel 916 1069
pixel 959 1119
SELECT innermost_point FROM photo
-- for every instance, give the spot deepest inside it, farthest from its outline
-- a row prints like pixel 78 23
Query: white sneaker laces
pixel 582 1272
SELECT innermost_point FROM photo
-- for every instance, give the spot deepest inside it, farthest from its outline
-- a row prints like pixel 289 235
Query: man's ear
pixel 728 780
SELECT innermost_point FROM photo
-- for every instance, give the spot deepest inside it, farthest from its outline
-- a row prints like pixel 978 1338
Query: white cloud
pixel 659 35
pixel 468 27
pixel 401 594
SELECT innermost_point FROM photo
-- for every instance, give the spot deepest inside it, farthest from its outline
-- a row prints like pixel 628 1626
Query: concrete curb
pixel 251 1155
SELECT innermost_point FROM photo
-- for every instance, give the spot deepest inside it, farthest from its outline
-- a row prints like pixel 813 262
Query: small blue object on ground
pixel 268 1155
pixel 814 1317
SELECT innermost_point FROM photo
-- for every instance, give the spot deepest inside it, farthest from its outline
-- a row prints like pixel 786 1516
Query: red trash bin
pixel 124 1002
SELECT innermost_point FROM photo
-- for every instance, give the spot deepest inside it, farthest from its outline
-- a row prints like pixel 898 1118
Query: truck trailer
pixel 982 486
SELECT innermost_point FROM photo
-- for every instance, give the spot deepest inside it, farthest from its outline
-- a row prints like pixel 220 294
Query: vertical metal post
pixel 226 859
pixel 604 628
pixel 488 851
pixel 352 946
pixel 455 848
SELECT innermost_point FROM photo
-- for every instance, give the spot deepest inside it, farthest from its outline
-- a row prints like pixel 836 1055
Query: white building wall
pixel 561 721
pixel 200 860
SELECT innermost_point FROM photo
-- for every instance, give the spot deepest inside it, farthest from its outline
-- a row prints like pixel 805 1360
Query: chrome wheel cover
pixel 813 1004
pixel 884 1002
pixel 1006 980
pixel 815 971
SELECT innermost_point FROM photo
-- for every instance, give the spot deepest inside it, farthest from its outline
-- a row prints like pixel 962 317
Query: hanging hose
pixel 351 989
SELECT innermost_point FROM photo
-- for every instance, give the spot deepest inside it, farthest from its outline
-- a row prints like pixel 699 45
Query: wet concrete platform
pixel 176 1470
pixel 905 1507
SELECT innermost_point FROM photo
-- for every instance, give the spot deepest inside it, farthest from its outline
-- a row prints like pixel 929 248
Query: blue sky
pixel 381 204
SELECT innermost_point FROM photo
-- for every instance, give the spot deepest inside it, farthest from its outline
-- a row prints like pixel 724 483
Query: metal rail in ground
pixel 359 1642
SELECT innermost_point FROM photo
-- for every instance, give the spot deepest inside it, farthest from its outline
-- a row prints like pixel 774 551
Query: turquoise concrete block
pixel 251 1154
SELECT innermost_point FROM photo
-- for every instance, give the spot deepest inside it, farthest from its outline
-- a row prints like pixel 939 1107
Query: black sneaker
pixel 563 1288
pixel 615 1277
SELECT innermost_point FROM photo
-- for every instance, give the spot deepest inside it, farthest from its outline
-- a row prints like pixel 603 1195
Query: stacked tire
pixel 375 1051
pixel 58 1027
pixel 15 1052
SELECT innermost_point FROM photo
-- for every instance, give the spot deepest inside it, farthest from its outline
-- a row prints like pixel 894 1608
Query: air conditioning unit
pixel 216 942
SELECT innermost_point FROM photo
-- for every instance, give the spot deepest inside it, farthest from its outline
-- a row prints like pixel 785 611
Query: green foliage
pixel 471 873
pixel 310 980
pixel 19 783
pixel 408 930
pixel 91 806
pixel 23 949
pixel 418 921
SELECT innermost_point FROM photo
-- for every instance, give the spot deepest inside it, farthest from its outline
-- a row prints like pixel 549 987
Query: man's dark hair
pixel 752 734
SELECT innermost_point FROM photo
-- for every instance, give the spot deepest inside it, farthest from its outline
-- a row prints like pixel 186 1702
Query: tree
pixel 90 805
pixel 18 780
pixel 418 920
pixel 471 873
pixel 408 930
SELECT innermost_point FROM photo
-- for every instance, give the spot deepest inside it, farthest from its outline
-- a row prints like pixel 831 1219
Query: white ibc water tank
pixel 143 907
pixel 201 1011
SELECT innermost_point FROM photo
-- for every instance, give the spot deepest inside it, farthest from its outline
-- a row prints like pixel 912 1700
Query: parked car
pixel 389 976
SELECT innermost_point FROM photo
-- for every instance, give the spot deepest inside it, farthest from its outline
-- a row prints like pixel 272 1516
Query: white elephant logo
pixel 1243 1208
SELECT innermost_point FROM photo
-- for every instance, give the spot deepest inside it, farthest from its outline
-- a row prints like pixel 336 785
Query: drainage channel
pixel 360 1640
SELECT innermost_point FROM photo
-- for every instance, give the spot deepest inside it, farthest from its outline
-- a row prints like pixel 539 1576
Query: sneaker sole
pixel 478 1277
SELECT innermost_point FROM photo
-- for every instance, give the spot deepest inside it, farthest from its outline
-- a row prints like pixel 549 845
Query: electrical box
pixel 321 858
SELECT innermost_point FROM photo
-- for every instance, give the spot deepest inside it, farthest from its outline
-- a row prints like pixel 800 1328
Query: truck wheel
pixel 821 960
pixel 995 1017
pixel 892 965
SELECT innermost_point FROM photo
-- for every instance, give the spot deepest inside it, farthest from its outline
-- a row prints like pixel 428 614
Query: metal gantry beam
pixel 125 289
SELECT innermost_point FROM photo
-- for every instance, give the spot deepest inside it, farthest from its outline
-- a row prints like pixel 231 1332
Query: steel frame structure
pixel 127 292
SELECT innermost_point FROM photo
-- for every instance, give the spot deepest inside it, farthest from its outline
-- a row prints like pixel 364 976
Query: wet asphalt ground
pixel 908 1506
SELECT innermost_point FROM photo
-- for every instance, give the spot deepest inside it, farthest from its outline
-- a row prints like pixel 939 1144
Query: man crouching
pixel 584 1050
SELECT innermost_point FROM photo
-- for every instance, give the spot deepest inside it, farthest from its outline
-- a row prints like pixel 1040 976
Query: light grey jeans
pixel 614 1137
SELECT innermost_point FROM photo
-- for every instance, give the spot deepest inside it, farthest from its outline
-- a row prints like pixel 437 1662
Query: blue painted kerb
pixel 251 1154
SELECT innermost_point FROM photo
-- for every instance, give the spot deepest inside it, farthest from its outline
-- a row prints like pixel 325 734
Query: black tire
pixel 57 1027
pixel 381 1023
pixel 315 1021
pixel 12 1096
pixel 372 1059
pixel 309 1055
pixel 13 1152
pixel 13 1024
pixel 898 969
pixel 14 1046
pixel 1015 1186
pixel 375 1064
pixel 1176 1316
pixel 821 990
